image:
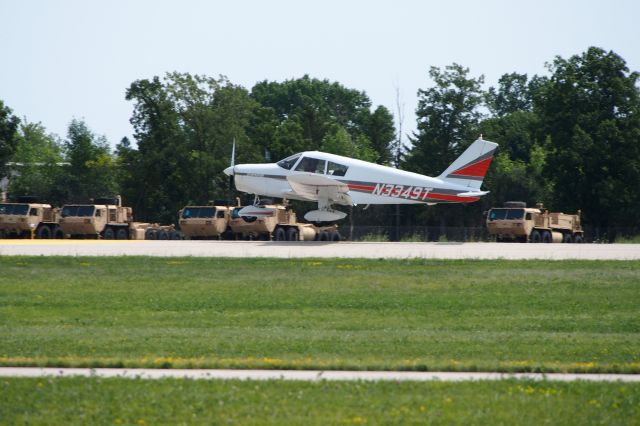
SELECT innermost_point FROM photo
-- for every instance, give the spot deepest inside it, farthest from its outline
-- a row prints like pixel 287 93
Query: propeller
pixel 229 171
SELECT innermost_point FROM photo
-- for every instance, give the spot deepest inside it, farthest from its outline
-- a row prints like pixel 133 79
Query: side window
pixel 98 212
pixel 528 216
pixel 33 212
pixel 336 169
pixel 220 214
pixel 311 165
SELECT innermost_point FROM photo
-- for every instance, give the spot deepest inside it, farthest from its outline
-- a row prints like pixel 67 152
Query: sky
pixel 69 59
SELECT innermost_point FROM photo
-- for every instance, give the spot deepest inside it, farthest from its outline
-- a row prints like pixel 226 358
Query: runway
pixel 306 375
pixel 370 250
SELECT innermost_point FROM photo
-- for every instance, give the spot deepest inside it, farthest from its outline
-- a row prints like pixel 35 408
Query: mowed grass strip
pixel 564 316
pixel 172 401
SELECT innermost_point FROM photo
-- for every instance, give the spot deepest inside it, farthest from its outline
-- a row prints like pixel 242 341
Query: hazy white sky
pixel 75 58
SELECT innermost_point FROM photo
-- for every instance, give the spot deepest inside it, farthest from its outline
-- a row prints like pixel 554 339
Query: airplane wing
pixel 321 188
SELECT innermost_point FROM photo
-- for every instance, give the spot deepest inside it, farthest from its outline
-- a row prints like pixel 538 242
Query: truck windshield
pixel 77 211
pixel 15 209
pixel 288 162
pixel 198 212
pixel 506 214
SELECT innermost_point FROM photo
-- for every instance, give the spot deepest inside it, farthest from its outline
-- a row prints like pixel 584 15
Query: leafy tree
pixel 91 170
pixel 339 141
pixel 8 131
pixel 39 168
pixel 590 108
pixel 513 95
pixel 184 127
pixel 448 115
pixel 304 114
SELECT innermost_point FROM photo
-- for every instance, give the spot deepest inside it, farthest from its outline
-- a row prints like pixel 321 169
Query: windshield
pixel 77 211
pixel 288 162
pixel 198 212
pixel 506 214
pixel 15 209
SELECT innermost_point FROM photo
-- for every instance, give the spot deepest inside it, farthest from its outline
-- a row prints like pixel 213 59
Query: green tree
pixel 39 164
pixel 512 95
pixel 590 108
pixel 303 114
pixel 91 170
pixel 184 128
pixel 448 115
pixel 8 132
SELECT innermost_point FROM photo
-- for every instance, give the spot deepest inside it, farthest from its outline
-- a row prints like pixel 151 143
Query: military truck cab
pixel 206 222
pixel 516 222
pixel 105 219
pixel 28 218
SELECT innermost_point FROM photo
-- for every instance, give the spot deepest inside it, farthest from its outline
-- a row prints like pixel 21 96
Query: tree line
pixel 569 139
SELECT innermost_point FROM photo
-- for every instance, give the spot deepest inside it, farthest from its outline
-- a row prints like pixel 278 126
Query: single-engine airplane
pixel 332 179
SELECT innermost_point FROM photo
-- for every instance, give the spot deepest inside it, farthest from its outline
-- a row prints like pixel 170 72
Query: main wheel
pixel 566 238
pixel 122 234
pixel 535 236
pixel 43 232
pixel 108 234
pixel 280 234
pixel 292 234
pixel 546 237
pixel 578 239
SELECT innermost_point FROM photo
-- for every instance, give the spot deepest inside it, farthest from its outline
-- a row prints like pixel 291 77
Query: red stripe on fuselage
pixel 362 187
pixel 447 197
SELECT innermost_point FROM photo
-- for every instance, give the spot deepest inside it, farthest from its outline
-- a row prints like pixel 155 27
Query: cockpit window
pixel 288 162
pixel 336 169
pixel 311 165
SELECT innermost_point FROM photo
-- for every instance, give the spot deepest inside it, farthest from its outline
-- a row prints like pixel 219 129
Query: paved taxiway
pixel 305 375
pixel 320 249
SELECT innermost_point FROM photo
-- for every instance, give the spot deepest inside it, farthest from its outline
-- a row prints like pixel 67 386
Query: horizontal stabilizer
pixel 472 194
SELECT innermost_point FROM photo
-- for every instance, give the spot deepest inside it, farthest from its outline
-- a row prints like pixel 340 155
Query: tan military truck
pixel 106 218
pixel 206 222
pixel 277 222
pixel 28 218
pixel 517 222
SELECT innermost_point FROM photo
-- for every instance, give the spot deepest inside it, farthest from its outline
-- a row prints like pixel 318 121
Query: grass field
pixel 138 402
pixel 574 316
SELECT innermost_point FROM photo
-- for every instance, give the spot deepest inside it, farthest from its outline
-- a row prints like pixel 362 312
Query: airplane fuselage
pixel 367 183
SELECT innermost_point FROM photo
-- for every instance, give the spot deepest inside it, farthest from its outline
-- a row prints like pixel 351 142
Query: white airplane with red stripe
pixel 330 179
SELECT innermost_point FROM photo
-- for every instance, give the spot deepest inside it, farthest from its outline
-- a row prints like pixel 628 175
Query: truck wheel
pixel 292 234
pixel 57 233
pixel 566 238
pixel 162 235
pixel 150 234
pixel 43 233
pixel 335 237
pixel 546 237
pixel 122 234
pixel 174 235
pixel 108 234
pixel 1 234
pixel 280 234
pixel 578 239
pixel 324 236
pixel 535 236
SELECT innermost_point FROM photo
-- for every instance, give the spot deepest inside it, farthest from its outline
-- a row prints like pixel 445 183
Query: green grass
pixel 576 316
pixel 138 402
